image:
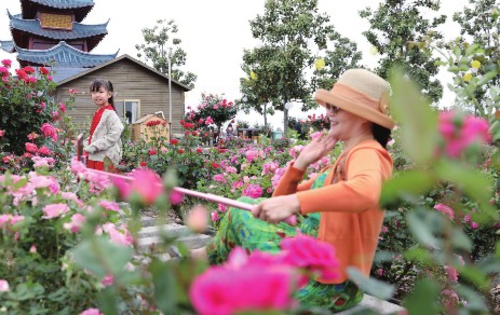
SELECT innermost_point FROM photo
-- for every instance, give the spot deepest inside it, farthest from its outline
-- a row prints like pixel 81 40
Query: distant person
pixel 128 117
pixel 300 130
pixel 106 127
pixel 230 131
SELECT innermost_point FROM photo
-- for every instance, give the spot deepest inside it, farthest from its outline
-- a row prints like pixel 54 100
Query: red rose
pixel 215 165
pixel 187 133
pixel 143 164
pixel 44 70
pixel 194 133
pixel 199 150
pixel 174 141
pixel 180 151
pixel 152 152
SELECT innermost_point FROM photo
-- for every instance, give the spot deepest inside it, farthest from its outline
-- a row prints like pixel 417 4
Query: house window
pixel 130 110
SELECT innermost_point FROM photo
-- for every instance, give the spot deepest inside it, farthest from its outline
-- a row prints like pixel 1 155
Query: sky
pixel 214 34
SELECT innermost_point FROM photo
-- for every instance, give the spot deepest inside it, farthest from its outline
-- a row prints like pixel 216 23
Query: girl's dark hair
pixel 381 134
pixel 96 84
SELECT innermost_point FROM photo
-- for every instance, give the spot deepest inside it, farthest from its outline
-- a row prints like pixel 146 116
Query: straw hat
pixel 362 93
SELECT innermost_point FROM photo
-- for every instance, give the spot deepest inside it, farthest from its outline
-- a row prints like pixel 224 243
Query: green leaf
pixel 460 240
pixel 423 224
pixel 164 285
pixel 101 256
pixel 474 300
pixel 418 123
pixel 371 286
pixel 419 255
pixel 487 77
pixel 423 299
pixel 413 182
pixel 476 276
pixel 473 183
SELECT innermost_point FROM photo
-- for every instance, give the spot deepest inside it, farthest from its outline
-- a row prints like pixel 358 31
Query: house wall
pixel 132 82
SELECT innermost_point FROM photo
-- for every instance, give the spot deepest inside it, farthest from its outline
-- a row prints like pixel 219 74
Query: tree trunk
pixel 285 121
pixel 265 116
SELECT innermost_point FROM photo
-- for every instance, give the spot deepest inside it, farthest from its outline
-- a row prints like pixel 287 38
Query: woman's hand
pixel 315 150
pixel 277 209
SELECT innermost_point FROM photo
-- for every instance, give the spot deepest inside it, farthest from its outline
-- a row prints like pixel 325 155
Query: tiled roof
pixel 65 4
pixel 64 56
pixel 79 30
pixel 61 74
pixel 7 45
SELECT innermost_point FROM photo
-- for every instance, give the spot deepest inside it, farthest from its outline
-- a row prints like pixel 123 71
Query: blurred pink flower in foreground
pixel 219 290
pixel 146 183
pixel 461 131
pixel 267 280
pixel 197 219
pixel 4 285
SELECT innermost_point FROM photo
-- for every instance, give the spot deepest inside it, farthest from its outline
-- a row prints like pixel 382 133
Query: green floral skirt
pixel 240 228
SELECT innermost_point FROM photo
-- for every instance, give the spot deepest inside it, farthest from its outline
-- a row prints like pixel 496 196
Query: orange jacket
pixel 351 219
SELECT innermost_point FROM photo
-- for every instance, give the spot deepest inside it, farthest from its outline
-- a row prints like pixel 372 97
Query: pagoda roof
pixel 7 45
pixel 79 7
pixel 94 33
pixel 62 55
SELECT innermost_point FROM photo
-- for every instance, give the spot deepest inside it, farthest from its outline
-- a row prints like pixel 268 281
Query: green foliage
pixel 289 30
pixel 399 31
pixel 161 44
pixel 344 56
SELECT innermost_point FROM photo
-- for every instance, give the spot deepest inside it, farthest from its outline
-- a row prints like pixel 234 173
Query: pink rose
pixel 176 197
pixel 49 131
pixel 109 205
pixel 31 147
pixel 2 132
pixel 77 220
pixel 444 209
pixel 44 150
pixel 304 251
pixel 54 210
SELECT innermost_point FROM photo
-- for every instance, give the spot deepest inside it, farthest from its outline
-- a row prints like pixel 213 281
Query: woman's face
pixel 343 124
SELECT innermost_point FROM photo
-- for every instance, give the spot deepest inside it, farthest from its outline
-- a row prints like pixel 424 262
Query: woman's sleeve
pixel 360 192
pixel 289 183
pixel 115 128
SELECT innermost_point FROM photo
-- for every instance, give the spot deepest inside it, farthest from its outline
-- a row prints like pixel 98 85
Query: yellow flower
pixel 467 77
pixel 373 50
pixel 320 63
pixel 475 64
pixel 253 75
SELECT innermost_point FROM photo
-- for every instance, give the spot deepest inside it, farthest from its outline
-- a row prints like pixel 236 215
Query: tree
pixel 344 56
pixel 399 31
pixel 480 26
pixel 161 43
pixel 292 32
pixel 214 109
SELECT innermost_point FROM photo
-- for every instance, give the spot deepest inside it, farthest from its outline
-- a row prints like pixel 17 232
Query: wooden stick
pixel 292 220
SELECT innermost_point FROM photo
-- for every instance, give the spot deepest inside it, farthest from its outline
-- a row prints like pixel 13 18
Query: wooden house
pixel 149 126
pixel 140 90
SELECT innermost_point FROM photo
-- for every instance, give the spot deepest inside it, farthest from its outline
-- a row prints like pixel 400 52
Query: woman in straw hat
pixel 341 205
